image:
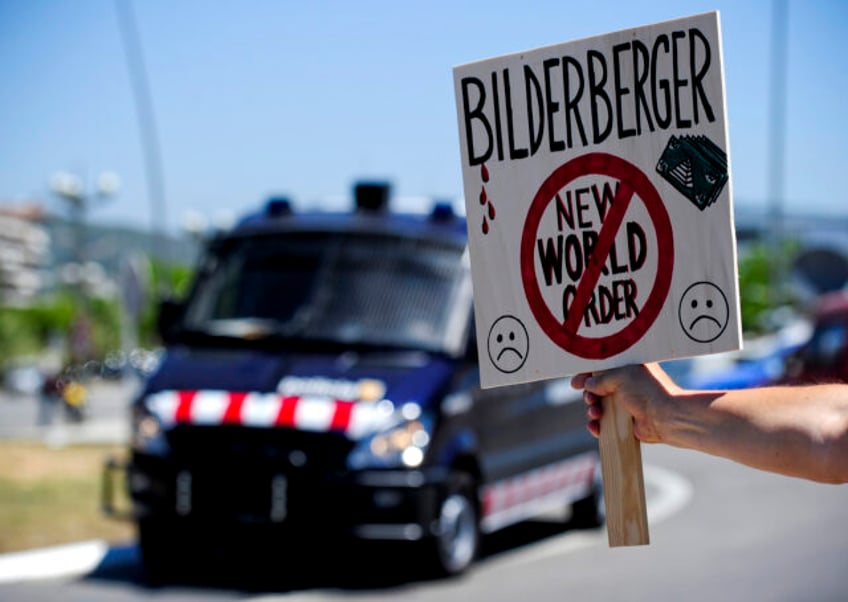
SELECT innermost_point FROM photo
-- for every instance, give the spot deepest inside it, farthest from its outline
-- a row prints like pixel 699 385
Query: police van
pixel 321 380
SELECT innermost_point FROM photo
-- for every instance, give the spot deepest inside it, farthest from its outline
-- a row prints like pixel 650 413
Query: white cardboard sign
pixel 599 203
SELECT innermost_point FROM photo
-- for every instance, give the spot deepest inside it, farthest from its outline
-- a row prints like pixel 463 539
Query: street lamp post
pixel 70 188
pixel 777 148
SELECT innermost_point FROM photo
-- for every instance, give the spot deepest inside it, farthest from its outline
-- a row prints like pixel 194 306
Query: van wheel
pixel 457 540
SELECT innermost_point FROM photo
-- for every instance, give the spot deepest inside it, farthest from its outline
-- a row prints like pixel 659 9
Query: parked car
pixel 321 381
pixel 824 357
pixel 760 362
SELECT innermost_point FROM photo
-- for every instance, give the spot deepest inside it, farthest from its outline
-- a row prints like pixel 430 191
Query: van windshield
pixel 352 288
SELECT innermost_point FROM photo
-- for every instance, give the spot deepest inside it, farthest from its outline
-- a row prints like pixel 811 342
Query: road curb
pixel 70 560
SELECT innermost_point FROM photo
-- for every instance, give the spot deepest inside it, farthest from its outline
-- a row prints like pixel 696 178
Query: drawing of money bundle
pixel 696 167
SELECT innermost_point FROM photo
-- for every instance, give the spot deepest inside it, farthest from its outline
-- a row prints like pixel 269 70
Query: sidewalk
pixel 106 422
pixel 62 434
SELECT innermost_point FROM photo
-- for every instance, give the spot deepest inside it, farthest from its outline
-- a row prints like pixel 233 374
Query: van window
pixel 353 288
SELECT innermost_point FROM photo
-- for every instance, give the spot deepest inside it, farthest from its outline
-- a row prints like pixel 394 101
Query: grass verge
pixel 52 496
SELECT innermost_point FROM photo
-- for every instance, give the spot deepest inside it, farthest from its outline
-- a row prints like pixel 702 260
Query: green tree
pixel 26 331
pixel 759 293
pixel 167 281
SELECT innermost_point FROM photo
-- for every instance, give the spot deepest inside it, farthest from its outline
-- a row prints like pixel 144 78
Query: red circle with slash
pixel 632 181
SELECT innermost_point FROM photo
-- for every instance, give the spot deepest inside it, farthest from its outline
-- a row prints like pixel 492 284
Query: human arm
pixel 795 431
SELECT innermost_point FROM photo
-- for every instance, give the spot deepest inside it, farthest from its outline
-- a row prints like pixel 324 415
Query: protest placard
pixel 599 205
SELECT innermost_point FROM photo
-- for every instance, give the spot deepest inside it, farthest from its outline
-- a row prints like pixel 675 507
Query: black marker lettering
pixel 620 90
pixel 679 82
pixel 583 102
pixel 535 134
pixel 699 73
pixel 582 208
pixel 550 259
pixel 496 100
pixel 565 211
pixel 553 106
pixel 571 102
pixel 514 153
pixel 475 114
pixel 663 84
pixel 597 62
pixel 640 75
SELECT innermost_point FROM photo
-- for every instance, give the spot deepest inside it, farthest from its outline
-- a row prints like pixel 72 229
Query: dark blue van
pixel 321 380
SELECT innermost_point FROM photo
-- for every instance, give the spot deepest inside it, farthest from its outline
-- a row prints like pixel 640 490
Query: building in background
pixel 24 253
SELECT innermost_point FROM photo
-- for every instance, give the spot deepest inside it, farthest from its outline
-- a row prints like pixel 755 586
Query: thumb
pixel 602 383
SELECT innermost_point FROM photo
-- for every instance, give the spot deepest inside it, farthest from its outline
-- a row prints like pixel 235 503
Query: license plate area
pixel 246 496
pixel 279 498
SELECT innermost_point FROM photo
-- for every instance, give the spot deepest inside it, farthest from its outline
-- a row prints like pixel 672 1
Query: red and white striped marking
pixel 517 498
pixel 268 410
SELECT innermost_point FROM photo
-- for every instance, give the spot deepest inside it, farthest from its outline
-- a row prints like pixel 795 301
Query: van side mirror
pixel 170 315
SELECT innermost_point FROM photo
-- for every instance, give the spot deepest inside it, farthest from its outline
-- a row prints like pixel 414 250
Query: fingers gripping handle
pixel 624 485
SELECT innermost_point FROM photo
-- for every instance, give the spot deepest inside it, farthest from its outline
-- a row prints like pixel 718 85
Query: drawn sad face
pixel 508 344
pixel 703 312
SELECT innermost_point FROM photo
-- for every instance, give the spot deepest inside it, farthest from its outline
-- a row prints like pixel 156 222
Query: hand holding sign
pixel 626 418
pixel 624 485
pixel 613 242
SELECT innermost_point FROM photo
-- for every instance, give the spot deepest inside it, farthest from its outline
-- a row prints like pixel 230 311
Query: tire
pixel 457 537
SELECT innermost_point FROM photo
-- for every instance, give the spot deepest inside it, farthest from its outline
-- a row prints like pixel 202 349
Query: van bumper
pixel 400 505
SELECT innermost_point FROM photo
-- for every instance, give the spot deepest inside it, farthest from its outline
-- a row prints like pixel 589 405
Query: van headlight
pixel 401 445
pixel 147 434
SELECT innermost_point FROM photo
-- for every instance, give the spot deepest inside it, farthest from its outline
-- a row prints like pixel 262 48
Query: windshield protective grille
pixel 349 288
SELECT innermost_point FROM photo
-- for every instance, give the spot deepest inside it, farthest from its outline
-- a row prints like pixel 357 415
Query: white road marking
pixel 672 493
pixel 675 493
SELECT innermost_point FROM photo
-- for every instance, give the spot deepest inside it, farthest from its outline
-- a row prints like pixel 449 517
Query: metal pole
pixel 146 120
pixel 777 146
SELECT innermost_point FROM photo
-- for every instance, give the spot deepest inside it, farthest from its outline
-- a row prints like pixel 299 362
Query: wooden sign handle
pixel 624 486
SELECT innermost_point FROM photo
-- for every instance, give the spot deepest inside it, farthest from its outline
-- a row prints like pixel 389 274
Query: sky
pixel 257 98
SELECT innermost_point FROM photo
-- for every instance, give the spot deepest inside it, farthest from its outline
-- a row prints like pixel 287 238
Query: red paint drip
pixel 485 225
pixel 484 172
pixel 491 211
pixel 483 196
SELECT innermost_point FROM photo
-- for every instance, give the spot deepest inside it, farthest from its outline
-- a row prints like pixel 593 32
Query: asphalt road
pixel 742 535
